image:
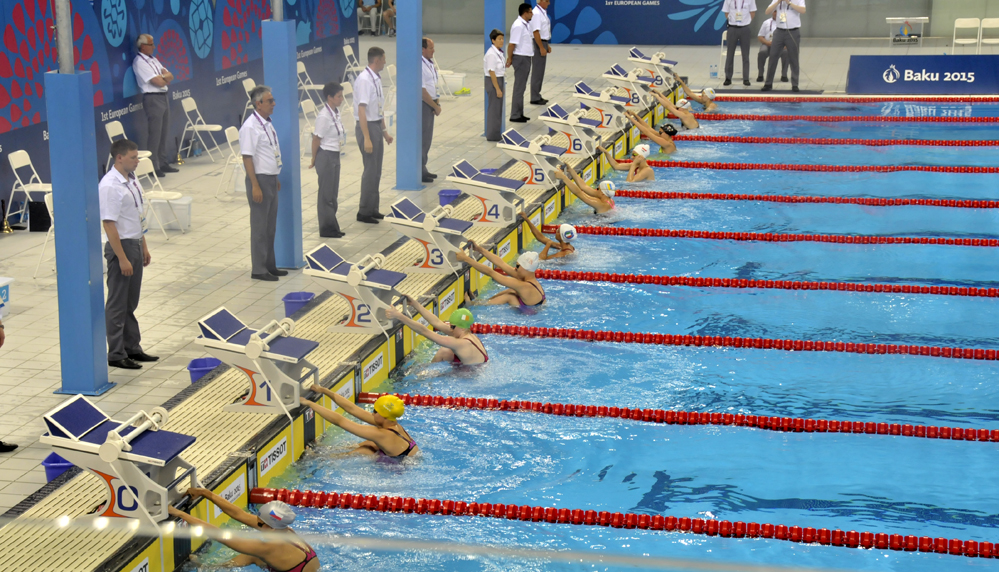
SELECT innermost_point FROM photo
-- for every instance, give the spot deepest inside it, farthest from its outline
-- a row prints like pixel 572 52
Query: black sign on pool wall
pixel 642 22
pixel 210 46
pixel 923 75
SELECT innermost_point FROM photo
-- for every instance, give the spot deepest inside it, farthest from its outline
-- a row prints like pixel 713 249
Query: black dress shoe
pixel 142 356
pixel 539 102
pixel 160 174
pixel 432 175
pixel 168 169
pixel 426 179
pixel 759 79
pixel 520 119
pixel 795 89
pixel 266 277
pixel 784 79
pixel 367 219
pixel 333 235
pixel 7 447
pixel 277 272
pixel 727 82
pixel 746 82
pixel 378 216
pixel 767 88
pixel 126 363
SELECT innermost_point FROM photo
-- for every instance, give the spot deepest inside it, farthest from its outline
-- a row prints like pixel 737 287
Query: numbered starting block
pixel 273 361
pixel 139 463
pixel 657 66
pixel 582 132
pixel 440 235
pixel 611 107
pixel 538 155
pixel 636 82
pixel 498 195
pixel 367 288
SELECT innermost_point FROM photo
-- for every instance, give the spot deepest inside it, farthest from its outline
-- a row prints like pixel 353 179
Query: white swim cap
pixel 644 150
pixel 567 232
pixel 708 93
pixel 608 188
pixel 529 261
pixel 682 104
pixel 277 515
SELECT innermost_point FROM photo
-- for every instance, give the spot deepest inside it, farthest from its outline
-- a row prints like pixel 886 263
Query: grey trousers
pixel 123 299
pixel 371 179
pixel 521 71
pixel 494 114
pixel 790 39
pixel 154 131
pixel 263 223
pixel 538 63
pixel 428 134
pixel 741 35
pixel 761 60
pixel 328 169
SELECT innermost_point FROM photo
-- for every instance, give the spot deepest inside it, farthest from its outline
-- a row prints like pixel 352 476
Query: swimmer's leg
pixel 443 354
pixel 508 297
pixel 366 448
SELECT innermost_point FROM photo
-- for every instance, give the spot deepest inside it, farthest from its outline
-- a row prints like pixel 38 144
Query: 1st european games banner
pixel 923 75
pixel 642 22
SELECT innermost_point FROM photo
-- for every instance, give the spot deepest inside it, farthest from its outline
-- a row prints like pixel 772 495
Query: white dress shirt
pixel 430 78
pixel 738 11
pixel 767 30
pixel 522 38
pixel 258 139
pixel 494 61
pixel 788 19
pixel 368 90
pixel 121 202
pixel 329 129
pixel 541 23
pixel 146 68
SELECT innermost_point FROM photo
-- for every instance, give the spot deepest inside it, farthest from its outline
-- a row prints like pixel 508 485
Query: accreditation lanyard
pixel 274 143
pixel 151 62
pixel 427 63
pixel 131 182
pixel 336 123
pixel 738 11
pixel 783 13
pixel 548 22
pixel 376 81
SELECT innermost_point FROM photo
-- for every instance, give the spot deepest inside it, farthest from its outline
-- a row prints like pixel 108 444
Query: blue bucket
pixel 448 196
pixel 54 466
pixel 199 367
pixel 295 301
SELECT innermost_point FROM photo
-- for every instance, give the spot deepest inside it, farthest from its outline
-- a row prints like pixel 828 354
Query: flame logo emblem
pixel 891 74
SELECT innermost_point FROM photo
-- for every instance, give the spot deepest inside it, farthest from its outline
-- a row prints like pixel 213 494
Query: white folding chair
pixel 390 90
pixel 724 55
pixel 347 107
pixel 988 24
pixel 18 160
pixel 305 86
pixel 374 21
pixel 146 170
pixel 48 235
pixel 235 160
pixel 968 24
pixel 353 68
pixel 115 132
pixel 442 88
pixel 310 113
pixel 196 125
pixel 248 85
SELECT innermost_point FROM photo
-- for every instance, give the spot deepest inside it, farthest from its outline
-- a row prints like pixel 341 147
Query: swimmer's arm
pixel 643 126
pixel 497 261
pixel 613 162
pixel 437 323
pixel 536 232
pixel 239 561
pixel 502 279
pixel 368 432
pixel 250 548
pixel 340 401
pixel 686 90
pixel 545 256
pixel 544 253
pixel 419 328
pixel 225 506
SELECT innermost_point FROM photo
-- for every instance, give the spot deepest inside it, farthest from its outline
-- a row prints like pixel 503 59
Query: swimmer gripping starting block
pixel 610 106
pixel 139 463
pixel 273 361
pixel 636 82
pixel 582 133
pixel 540 158
pixel 440 235
pixel 657 66
pixel 498 195
pixel 367 288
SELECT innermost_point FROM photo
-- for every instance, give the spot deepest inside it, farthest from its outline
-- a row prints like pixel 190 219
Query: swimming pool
pixel 881 483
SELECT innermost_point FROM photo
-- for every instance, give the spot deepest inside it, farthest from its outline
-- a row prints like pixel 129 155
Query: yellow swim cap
pixel 390 407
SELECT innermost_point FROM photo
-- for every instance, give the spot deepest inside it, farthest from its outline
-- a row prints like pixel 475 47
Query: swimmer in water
pixel 565 234
pixel 681 110
pixel 290 554
pixel 523 289
pixel 705 97
pixel 662 136
pixel 383 435
pixel 458 344
pixel 601 200
pixel 638 169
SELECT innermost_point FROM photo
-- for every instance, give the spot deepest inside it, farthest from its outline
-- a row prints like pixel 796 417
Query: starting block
pixel 541 158
pixel 273 361
pixel 139 463
pixel 581 131
pixel 498 195
pixel 367 289
pixel 635 82
pixel 440 235
pixel 611 107
pixel 657 66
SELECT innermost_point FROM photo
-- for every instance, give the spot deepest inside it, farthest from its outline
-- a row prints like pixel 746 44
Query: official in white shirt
pixel 154 81
pixel 766 37
pixel 740 15
pixel 122 207
pixel 519 54
pixel 258 143
pixel 541 36
pixel 787 35
pixel 431 104
pixel 328 139
pixel 494 68
pixel 369 109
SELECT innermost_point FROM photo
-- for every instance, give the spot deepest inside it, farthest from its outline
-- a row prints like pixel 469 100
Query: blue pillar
pixel 280 74
pixel 495 18
pixel 69 100
pixel 409 95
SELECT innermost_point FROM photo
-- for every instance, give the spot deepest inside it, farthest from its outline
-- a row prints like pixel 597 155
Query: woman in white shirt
pixel 328 139
pixel 494 66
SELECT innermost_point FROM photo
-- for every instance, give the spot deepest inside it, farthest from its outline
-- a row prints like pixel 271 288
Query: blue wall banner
pixel 923 75
pixel 638 22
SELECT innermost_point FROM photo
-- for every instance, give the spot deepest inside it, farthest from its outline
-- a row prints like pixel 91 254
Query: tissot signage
pixel 923 75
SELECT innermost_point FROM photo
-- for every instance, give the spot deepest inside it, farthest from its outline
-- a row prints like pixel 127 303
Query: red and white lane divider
pixel 784 424
pixel 841 99
pixel 837 141
pixel 818 168
pixel 799 199
pixel 553 515
pixel 734 342
pixel 700 282
pixel 838 118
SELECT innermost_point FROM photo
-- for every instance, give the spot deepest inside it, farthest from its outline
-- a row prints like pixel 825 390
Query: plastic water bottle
pixel 713 70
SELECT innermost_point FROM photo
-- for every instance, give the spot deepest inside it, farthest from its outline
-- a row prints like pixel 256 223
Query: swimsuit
pixel 530 309
pixel 457 360
pixel 310 555
pixel 412 445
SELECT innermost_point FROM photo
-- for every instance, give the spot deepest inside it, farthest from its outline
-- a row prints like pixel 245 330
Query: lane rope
pixel 818 168
pixel 734 342
pixel 839 141
pixel 837 118
pixel 866 201
pixel 702 282
pixel 553 515
pixel 840 99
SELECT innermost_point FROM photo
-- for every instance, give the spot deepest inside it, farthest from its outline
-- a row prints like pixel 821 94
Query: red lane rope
pixel 838 118
pixel 818 168
pixel 699 282
pixel 729 341
pixel 781 237
pixel 839 141
pixel 553 515
pixel 873 202
pixel 785 424
pixel 840 99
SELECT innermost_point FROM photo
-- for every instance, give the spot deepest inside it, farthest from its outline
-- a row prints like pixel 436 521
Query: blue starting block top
pixel 223 326
pixel 638 55
pixel 325 259
pixel 620 72
pixel 513 138
pixel 583 89
pixel 407 210
pixel 465 170
pixel 285 346
pixel 556 112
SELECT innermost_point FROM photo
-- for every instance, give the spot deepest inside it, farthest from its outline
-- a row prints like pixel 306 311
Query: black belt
pixel 734 26
pixel 163 93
